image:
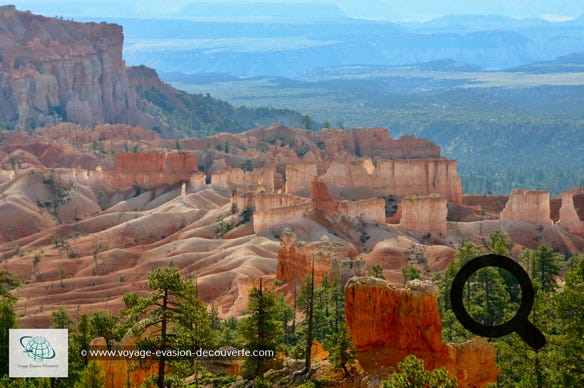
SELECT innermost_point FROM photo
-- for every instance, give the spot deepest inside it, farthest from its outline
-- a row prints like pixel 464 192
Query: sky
pixel 394 10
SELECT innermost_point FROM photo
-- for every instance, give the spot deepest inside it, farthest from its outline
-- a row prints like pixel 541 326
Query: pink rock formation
pixel 54 69
pixel 399 177
pixel 376 143
pixel 425 214
pixel 263 220
pixel 299 176
pixel 569 218
pixel 528 205
pixel 330 260
pixel 367 210
pixel 261 202
pixel 258 179
pixel 388 323
pixel 145 170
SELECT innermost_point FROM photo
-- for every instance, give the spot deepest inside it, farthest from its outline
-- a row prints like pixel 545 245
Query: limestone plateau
pixel 54 70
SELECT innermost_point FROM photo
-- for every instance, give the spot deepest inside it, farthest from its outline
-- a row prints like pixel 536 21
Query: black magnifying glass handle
pixel 531 335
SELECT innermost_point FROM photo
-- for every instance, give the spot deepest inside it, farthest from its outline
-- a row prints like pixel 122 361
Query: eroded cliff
pixel 387 323
pixel 426 214
pixel 528 205
pixel 331 260
pixel 57 70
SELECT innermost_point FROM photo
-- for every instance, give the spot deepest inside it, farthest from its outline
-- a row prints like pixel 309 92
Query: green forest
pixel 504 135
pixel 177 319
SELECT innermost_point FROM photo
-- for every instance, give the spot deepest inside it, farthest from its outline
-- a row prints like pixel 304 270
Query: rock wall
pixel 146 170
pixel 262 202
pixel 528 205
pixel 120 372
pixel 264 220
pixel 425 214
pixel 376 143
pixel 399 177
pixel 569 218
pixel 57 70
pixel 368 209
pixel 388 323
pixel 330 260
pixel 259 178
pixel 299 176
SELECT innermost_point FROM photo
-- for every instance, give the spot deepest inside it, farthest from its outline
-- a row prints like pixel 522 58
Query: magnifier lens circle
pixel 456 295
pixel 492 296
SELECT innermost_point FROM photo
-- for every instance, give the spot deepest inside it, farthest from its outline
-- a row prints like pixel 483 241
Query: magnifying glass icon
pixel 519 323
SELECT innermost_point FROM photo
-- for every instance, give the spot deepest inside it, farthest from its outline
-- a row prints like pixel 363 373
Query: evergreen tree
pixel 452 330
pixel 260 330
pixel 543 265
pixel 376 271
pixel 413 375
pixel 410 273
pixel 342 351
pixel 60 319
pixel 106 325
pixel 172 316
pixel 7 316
pixel 92 376
pixel 570 309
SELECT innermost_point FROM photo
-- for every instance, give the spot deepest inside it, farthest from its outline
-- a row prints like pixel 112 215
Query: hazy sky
pixel 397 10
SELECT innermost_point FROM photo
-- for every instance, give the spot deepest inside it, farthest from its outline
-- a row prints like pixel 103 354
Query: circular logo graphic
pixel 37 348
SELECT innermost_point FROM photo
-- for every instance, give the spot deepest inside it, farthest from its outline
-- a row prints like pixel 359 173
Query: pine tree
pixel 172 315
pixel 570 309
pixel 92 376
pixel 7 316
pixel 261 330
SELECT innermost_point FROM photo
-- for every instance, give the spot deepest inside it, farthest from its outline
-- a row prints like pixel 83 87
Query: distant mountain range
pixel 248 47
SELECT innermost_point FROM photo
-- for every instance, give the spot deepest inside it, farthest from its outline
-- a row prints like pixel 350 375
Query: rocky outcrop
pixel 425 214
pixel 120 372
pixel 331 260
pixel 263 220
pixel 372 210
pixel 262 202
pixel 54 69
pixel 299 176
pixel 261 179
pixel 569 218
pixel 376 143
pixel 399 177
pixel 387 323
pixel 528 205
pixel 144 170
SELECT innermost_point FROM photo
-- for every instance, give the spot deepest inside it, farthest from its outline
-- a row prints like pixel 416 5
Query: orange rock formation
pixel 55 70
pixel 400 177
pixel 425 215
pixel 569 218
pixel 368 209
pixel 330 260
pixel 120 372
pixel 260 179
pixel 388 323
pixel 145 170
pixel 376 143
pixel 528 205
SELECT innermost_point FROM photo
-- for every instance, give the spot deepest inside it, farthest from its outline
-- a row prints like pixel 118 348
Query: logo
pixel 38 348
pixel 38 353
